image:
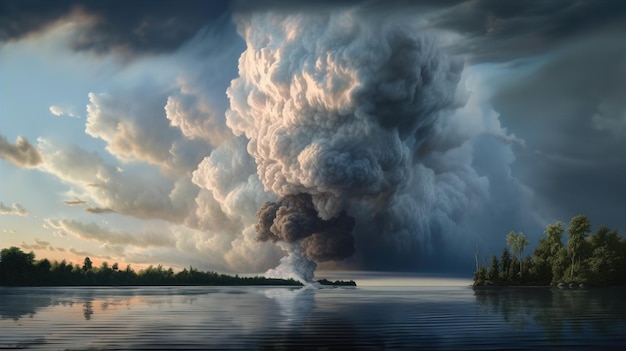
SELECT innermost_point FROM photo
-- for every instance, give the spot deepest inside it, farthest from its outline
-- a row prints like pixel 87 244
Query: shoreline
pixel 566 287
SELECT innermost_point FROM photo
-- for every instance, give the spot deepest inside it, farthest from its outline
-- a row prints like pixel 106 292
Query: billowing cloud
pixel 361 132
pixel 22 154
pixel 127 193
pixel 135 128
pixel 15 209
pixel 199 104
pixel 173 126
pixel 194 119
pixel 364 115
pixel 229 173
pixel 330 94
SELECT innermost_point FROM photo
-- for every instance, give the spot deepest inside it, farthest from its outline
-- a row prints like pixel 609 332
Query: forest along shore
pixel 18 268
pixel 587 259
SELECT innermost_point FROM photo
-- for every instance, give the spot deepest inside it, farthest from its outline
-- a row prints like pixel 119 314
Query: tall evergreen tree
pixel 505 262
pixel 87 264
pixel 494 270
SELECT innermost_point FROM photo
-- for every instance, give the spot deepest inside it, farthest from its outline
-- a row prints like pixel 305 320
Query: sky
pixel 281 136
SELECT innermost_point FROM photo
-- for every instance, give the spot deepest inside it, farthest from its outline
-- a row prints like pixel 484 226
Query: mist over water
pixel 436 317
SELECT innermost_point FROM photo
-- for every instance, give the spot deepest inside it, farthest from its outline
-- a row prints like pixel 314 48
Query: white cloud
pixel 56 110
pixel 94 232
pixel 138 193
pixel 194 118
pixel 60 111
pixel 135 127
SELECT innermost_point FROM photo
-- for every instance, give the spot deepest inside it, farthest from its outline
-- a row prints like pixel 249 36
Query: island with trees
pixel 597 259
pixel 327 282
pixel 18 268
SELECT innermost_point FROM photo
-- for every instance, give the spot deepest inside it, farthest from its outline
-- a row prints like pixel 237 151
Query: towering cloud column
pixel 335 107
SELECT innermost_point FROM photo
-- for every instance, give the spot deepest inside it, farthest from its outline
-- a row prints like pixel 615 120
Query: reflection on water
pixel 87 309
pixel 264 318
pixel 562 314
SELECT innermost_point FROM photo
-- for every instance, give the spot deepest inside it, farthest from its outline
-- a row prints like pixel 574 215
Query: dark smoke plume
pixel 293 219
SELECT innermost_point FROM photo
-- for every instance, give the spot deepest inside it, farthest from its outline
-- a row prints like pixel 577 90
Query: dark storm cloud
pixel 299 5
pixel 503 30
pixel 492 30
pixel 565 99
pixel 571 111
pixel 142 26
pixel 357 112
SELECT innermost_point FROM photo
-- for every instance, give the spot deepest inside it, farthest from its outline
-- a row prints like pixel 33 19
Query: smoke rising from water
pixel 338 110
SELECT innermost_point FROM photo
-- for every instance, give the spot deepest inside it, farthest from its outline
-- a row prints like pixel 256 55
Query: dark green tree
pixel 598 259
pixel 505 262
pixel 87 264
pixel 517 243
pixel 480 275
pixel 578 230
pixel 17 267
pixel 104 274
pixel 494 270
pixel 546 254
pixel 42 271
pixel 605 258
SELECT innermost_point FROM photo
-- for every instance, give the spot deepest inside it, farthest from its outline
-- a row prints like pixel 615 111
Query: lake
pixel 447 316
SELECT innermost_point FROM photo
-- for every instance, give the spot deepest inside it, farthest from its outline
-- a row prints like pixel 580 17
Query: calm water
pixel 368 318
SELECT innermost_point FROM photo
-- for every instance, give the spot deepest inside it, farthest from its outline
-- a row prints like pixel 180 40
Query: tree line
pixel 18 268
pixel 597 258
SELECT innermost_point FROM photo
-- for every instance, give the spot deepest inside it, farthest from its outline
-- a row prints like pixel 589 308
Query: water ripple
pixel 307 319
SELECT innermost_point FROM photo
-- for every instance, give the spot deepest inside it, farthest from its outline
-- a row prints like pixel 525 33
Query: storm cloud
pixel 137 27
pixel 350 134
pixel 348 115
